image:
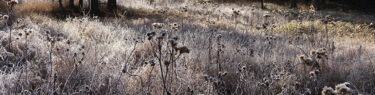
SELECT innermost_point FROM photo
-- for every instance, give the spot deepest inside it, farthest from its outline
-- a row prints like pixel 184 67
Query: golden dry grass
pixel 37 7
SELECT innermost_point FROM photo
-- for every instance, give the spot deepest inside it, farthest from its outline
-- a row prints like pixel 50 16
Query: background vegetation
pixel 186 47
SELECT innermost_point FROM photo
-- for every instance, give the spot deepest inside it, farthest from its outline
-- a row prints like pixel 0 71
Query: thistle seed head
pixel 174 26
pixel 314 73
pixel 47 32
pixel 243 67
pixel 312 52
pixel 152 63
pixel 5 17
pixel 184 9
pixel 183 50
pixel 150 35
pixel 161 36
pixel 218 36
pixel 13 2
pixel 20 34
pixel 173 43
pixel 166 63
pixel 222 74
pixel 68 42
pixel 328 91
pixel 175 38
pixel 307 91
pixel 266 16
pixel 157 25
pixel 302 57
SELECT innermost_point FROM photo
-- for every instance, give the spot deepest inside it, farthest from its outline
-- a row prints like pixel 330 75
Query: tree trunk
pixel 95 7
pixel 261 4
pixel 60 3
pixel 112 4
pixel 293 3
pixel 71 3
pixel 80 3
pixel 318 4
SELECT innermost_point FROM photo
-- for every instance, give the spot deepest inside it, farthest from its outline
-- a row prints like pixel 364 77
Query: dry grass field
pixel 184 47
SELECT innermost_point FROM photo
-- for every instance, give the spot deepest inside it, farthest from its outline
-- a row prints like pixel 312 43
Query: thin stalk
pixel 51 66
pixel 218 55
pixel 161 67
pixel 70 75
pixel 26 58
pixel 327 35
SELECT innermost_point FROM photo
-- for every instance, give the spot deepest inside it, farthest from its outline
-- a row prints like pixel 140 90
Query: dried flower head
pixel 342 85
pixel 163 11
pixel 157 25
pixel 182 50
pixel 314 73
pixel 20 34
pixel 161 36
pixel 327 19
pixel 222 74
pixel 265 25
pixel 328 91
pixel 312 8
pixel 207 78
pixel 152 63
pixel 231 34
pixel 166 63
pixel 236 12
pixel 5 17
pixel 150 35
pixel 30 31
pixel 266 16
pixel 184 9
pixel 301 57
pixel 218 36
pixel 307 92
pixel 12 2
pixel 312 52
pixel 47 32
pixel 174 26
pixel 306 60
pixel 320 53
pixel 344 91
pixel 269 38
pixel 173 43
pixel 243 67
pixel 175 38
pixel 123 68
pixel 68 42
